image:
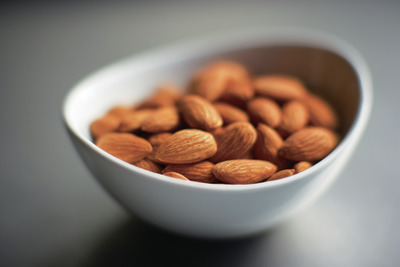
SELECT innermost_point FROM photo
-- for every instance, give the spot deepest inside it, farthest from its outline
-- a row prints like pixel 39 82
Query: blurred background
pixel 53 213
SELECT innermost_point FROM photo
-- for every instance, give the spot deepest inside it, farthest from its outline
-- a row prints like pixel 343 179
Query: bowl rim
pixel 227 41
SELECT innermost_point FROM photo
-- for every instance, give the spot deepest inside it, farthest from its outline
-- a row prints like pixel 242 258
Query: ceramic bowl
pixel 329 67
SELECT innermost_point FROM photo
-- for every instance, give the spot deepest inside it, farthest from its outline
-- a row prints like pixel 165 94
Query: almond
pixel 234 141
pixel 236 70
pixel 199 171
pixel 243 171
pixel 264 110
pixel 211 81
pixel 133 121
pixel 199 113
pixel 125 146
pixel 230 113
pixel 106 124
pixel 176 175
pixel 281 174
pixel 267 146
pixel 120 111
pixel 163 119
pixel 166 95
pixel 302 166
pixel 239 87
pixel 309 144
pixel 149 165
pixel 156 140
pixel 279 87
pixel 321 112
pixel 294 116
pixel 187 146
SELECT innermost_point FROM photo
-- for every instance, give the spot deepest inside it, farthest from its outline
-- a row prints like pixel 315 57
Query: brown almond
pixel 309 144
pixel 156 140
pixel 161 120
pixel 211 81
pixel 264 110
pixel 281 174
pixel 267 145
pixel 239 87
pixel 302 166
pixel 279 87
pixel 176 175
pixel 230 113
pixel 243 171
pixel 235 69
pixel 132 121
pixel 149 165
pixel 106 124
pixel 222 77
pixel 199 113
pixel 166 95
pixel 321 112
pixel 234 141
pixel 294 116
pixel 125 146
pixel 120 111
pixel 199 171
pixel 187 146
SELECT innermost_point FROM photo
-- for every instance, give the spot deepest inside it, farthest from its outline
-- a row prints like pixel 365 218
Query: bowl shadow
pixel 137 243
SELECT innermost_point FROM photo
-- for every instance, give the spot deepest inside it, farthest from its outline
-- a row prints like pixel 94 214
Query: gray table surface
pixel 52 211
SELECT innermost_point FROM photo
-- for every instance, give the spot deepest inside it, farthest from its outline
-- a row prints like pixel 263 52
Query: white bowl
pixel 328 65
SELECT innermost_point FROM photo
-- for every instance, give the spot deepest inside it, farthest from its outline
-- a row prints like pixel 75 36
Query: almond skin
pixel 106 124
pixel 281 174
pixel 160 120
pixel 156 140
pixel 230 113
pixel 309 144
pixel 264 110
pixel 236 70
pixel 302 166
pixel 239 87
pixel 149 165
pixel 279 87
pixel 166 95
pixel 120 111
pixel 222 78
pixel 199 113
pixel 321 113
pixel 199 171
pixel 176 175
pixel 211 81
pixel 294 116
pixel 243 171
pixel 187 146
pixel 267 146
pixel 125 146
pixel 133 120
pixel 234 141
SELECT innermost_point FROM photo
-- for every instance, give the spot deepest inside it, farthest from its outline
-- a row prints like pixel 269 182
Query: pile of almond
pixel 228 127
